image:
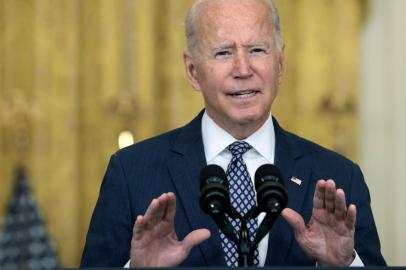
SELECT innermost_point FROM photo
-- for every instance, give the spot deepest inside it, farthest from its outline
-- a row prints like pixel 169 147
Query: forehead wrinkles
pixel 219 17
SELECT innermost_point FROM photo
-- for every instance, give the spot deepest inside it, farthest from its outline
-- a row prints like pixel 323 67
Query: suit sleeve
pixel 108 240
pixel 367 242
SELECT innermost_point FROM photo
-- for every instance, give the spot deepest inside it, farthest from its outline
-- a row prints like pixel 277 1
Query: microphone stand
pixel 245 247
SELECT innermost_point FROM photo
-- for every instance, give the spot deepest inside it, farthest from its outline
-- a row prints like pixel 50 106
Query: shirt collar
pixel 216 139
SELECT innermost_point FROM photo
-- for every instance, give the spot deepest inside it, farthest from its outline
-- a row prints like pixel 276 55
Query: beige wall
pixel 383 122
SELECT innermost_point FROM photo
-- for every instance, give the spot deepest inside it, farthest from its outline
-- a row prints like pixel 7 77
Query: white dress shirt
pixel 215 142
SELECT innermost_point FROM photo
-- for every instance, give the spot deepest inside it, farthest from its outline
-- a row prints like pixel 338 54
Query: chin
pixel 249 118
pixel 252 114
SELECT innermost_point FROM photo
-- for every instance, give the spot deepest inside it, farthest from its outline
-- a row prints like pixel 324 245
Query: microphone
pixel 215 199
pixel 272 196
pixel 214 194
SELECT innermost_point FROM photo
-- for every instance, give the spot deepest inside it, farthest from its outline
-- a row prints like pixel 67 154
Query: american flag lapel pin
pixel 296 180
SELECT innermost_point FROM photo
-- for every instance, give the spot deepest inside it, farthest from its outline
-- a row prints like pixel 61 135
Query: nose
pixel 242 66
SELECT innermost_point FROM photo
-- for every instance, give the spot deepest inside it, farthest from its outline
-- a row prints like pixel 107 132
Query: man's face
pixel 237 65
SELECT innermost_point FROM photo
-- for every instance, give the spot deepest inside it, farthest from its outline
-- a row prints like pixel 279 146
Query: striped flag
pixel 24 243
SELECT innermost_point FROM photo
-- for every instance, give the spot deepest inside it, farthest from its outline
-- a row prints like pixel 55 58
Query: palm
pixel 326 237
pixel 160 237
pixel 155 243
pixel 329 235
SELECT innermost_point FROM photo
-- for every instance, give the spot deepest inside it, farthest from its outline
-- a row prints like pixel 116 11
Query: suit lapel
pixel 187 160
pixel 289 159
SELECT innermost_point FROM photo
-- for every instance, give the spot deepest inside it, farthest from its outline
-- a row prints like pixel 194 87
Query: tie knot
pixel 238 148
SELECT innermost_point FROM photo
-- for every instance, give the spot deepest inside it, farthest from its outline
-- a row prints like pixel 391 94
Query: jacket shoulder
pixel 321 156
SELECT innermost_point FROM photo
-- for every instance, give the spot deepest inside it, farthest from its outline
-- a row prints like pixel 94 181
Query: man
pixel 235 58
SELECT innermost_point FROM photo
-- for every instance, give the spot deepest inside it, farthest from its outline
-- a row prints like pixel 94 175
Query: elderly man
pixel 235 58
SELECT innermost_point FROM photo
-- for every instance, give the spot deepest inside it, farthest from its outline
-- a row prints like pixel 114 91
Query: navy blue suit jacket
pixel 173 161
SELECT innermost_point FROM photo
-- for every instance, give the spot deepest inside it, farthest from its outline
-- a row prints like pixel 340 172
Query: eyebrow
pixel 260 44
pixel 232 46
pixel 223 47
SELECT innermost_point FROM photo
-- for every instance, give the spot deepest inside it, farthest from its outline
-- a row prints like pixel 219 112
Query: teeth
pixel 245 94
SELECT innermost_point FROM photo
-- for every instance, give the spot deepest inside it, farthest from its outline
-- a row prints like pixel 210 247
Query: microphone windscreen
pixel 268 170
pixel 211 171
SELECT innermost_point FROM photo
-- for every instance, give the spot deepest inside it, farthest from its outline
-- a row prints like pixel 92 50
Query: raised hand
pixel 329 235
pixel 154 242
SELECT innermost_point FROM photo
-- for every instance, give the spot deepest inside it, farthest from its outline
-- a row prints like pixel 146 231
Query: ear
pixel 191 70
pixel 281 64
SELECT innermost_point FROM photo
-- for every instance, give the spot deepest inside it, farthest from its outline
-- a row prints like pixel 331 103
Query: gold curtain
pixel 73 74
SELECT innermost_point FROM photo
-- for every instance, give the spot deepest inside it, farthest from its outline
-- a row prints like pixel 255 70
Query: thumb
pixel 295 220
pixel 194 238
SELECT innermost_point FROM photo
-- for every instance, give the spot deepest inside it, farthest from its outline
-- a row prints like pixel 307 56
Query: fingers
pixel 195 238
pixel 351 217
pixel 295 220
pixel 319 195
pixel 330 195
pixel 325 196
pixel 340 205
pixel 160 209
pixel 155 211
pixel 333 201
pixel 170 209
pixel 139 228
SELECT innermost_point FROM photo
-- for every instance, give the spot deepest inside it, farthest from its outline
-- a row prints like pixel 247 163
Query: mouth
pixel 244 94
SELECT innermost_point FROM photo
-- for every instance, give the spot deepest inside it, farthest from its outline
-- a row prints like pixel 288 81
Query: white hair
pixel 190 25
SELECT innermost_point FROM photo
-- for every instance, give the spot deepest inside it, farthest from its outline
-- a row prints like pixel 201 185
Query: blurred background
pixel 76 74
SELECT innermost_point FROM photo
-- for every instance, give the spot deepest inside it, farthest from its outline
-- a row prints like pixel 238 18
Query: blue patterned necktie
pixel 242 198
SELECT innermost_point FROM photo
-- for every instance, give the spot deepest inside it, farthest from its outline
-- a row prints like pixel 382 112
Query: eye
pixel 222 54
pixel 258 50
